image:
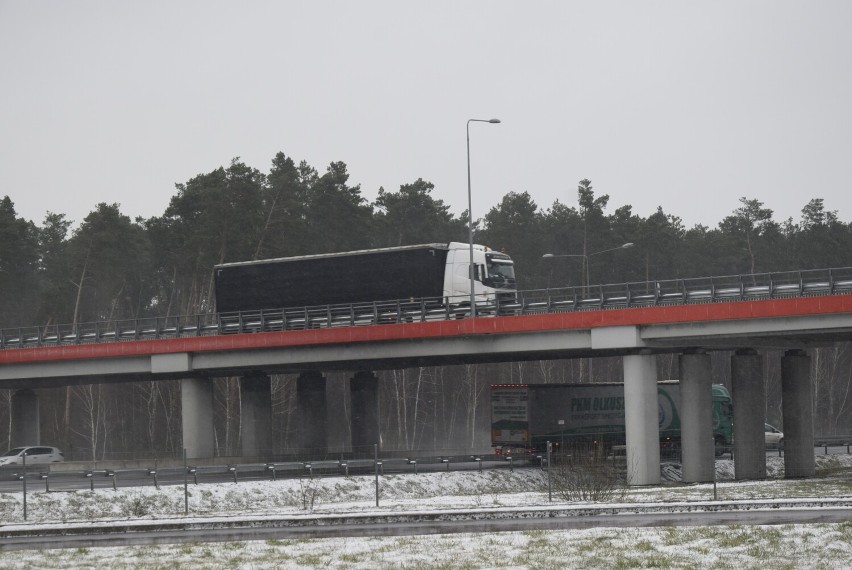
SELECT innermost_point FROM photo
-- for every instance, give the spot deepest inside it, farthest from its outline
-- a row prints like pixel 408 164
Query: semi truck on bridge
pixel 436 271
pixel 524 417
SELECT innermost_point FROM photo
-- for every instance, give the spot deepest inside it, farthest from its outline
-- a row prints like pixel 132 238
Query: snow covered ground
pixel 787 546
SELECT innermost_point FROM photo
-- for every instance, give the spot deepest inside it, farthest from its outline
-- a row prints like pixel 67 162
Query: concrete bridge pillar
pixel 196 396
pixel 748 395
pixel 364 394
pixel 256 415
pixel 696 418
pixel 24 419
pixel 642 419
pixel 312 412
pixel 797 407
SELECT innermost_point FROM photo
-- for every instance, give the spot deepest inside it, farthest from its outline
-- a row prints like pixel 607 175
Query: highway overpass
pixel 782 312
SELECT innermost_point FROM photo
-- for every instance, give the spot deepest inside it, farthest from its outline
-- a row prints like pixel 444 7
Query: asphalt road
pixel 483 520
pixel 40 478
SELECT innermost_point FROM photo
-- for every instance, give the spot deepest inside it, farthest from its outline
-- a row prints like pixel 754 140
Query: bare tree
pixel 93 431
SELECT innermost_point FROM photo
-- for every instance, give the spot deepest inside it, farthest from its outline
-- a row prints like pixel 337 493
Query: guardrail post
pixel 376 459
pixel 24 482
pixel 185 485
pixel 233 469
pixel 549 484
pixel 271 467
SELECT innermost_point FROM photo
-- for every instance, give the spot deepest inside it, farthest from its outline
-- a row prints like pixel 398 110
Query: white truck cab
pixel 494 274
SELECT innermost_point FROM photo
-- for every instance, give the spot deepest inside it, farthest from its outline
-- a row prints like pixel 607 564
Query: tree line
pixel 111 266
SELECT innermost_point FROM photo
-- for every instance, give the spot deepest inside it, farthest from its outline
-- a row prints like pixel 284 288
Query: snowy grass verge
pixel 786 546
pixel 497 488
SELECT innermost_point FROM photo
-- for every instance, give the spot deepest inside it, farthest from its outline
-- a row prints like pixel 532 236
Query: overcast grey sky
pixel 687 105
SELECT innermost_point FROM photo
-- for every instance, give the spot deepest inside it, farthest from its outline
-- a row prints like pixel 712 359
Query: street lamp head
pixel 493 120
pixel 628 244
pixel 546 255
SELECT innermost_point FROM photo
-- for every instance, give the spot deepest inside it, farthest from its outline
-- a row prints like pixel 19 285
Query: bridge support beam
pixel 696 418
pixel 642 419
pixel 312 411
pixel 797 407
pixel 25 419
pixel 196 396
pixel 364 394
pixel 256 416
pixel 749 399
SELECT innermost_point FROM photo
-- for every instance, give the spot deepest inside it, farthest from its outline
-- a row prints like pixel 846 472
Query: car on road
pixel 36 455
pixel 773 436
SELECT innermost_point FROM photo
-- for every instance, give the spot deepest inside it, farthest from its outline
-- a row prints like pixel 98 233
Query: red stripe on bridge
pixel 638 316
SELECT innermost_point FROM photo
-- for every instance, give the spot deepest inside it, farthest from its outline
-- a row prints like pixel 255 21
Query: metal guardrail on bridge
pixel 553 300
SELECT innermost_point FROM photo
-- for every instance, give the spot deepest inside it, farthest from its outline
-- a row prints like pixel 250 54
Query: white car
pixel 36 455
pixel 773 436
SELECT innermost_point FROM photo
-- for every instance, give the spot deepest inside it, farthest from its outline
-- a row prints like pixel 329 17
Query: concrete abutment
pixel 749 401
pixel 256 416
pixel 797 407
pixel 312 412
pixel 696 418
pixel 364 394
pixel 25 418
pixel 196 396
pixel 642 419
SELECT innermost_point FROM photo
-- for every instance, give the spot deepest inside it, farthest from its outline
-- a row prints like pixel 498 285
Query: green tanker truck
pixel 526 416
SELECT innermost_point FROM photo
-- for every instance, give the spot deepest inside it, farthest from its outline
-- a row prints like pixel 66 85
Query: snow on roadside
pixel 796 546
pixel 464 489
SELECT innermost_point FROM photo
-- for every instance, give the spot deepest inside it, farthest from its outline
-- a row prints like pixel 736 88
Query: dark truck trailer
pixel 527 416
pixel 436 270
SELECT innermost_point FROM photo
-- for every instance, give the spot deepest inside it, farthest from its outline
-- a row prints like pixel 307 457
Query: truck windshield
pixel 500 271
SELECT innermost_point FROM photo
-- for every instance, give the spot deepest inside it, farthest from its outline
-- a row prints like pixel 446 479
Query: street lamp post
pixel 470 213
pixel 586 257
